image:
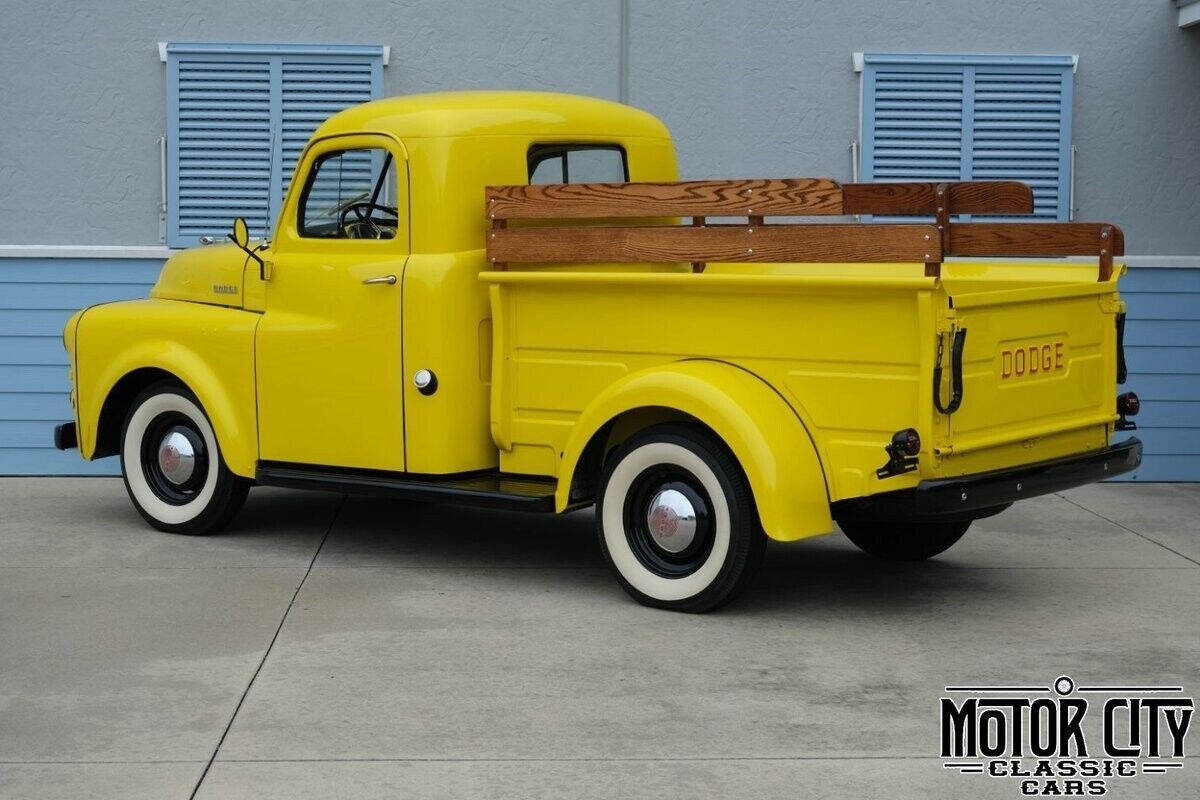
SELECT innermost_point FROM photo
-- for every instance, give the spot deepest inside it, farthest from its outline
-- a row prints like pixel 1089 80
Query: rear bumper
pixel 986 493
pixel 65 437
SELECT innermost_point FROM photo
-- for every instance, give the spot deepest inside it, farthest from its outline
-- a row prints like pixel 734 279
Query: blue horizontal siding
pixel 1162 338
pixel 1160 467
pixel 1146 332
pixel 37 296
pixel 1168 440
pixel 1148 279
pixel 1170 414
pixel 21 322
pixel 65 296
pixel 48 461
pixel 1179 305
pixel 139 271
pixel 1151 386
pixel 1165 360
pixel 23 434
pixel 40 378
pixel 31 350
pixel 35 406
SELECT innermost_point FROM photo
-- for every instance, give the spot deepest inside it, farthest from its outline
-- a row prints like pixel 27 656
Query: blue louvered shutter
pixel 220 152
pixel 935 118
pixel 1022 131
pixel 916 133
pixel 312 92
pixel 239 117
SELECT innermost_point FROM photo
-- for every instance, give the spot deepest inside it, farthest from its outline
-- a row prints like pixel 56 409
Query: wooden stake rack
pixel 605 206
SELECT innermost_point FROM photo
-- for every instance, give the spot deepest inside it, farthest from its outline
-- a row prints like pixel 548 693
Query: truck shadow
pixel 829 573
pixel 808 576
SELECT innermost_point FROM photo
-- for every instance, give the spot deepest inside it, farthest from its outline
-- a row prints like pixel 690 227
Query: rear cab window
pixel 577 163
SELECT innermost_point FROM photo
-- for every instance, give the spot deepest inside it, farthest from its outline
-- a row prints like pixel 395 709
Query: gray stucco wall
pixel 749 89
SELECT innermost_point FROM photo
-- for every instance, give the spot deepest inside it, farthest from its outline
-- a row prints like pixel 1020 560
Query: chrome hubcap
pixel 672 521
pixel 176 458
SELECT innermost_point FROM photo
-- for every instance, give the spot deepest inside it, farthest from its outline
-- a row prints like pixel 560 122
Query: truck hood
pixel 212 274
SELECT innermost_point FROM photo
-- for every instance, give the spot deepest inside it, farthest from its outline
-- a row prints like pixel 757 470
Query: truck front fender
pixel 208 348
pixel 757 425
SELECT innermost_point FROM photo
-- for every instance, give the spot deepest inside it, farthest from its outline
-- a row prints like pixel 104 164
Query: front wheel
pixel 172 465
pixel 677 521
pixel 906 541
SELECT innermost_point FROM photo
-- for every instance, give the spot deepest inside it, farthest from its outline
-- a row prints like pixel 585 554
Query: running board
pixel 491 489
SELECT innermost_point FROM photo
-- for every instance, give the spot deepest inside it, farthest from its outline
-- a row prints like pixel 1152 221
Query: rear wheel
pixel 677 522
pixel 907 541
pixel 172 464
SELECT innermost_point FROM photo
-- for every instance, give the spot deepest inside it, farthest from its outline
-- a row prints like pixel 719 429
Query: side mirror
pixel 241 237
pixel 241 233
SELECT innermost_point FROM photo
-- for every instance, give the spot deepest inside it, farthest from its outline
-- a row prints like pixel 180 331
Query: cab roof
pixel 456 114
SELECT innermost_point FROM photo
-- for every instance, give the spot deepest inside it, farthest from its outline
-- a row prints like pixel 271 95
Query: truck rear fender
pixel 762 431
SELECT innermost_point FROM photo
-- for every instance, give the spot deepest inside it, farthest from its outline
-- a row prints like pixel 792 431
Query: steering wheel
pixel 362 213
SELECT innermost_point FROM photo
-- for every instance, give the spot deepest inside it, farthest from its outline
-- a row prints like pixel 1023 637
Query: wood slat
pixel 965 197
pixel 771 197
pixel 680 243
pixel 1034 239
pixel 1100 239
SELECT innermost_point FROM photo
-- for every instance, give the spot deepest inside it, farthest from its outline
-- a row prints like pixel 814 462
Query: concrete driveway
pixel 330 647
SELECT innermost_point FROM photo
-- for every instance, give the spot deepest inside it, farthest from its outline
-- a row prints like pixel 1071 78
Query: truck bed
pixel 852 354
pixel 845 322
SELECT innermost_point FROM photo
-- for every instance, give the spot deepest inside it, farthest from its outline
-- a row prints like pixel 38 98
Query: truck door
pixel 328 348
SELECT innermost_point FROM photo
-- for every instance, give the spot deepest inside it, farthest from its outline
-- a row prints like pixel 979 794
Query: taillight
pixel 908 441
pixel 1128 404
pixel 902 453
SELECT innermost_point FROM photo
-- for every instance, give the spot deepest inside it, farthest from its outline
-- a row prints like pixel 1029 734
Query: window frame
pixel 378 187
pixel 288 240
pixel 543 151
pixel 869 65
pixel 276 57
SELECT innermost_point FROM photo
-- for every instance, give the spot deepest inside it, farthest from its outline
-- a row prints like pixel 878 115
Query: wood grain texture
pixel 701 243
pixel 756 197
pixel 770 244
pixel 1031 239
pixel 965 197
pixel 769 196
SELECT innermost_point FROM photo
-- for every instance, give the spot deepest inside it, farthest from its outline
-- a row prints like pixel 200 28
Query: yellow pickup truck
pixel 508 299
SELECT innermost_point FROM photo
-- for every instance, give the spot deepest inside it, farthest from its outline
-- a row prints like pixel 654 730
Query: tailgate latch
pixel 956 384
pixel 1122 370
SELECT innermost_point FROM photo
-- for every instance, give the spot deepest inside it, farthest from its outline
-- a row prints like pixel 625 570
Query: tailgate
pixel 1038 366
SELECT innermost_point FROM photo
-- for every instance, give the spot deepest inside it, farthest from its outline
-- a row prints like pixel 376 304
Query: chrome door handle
pixel 389 279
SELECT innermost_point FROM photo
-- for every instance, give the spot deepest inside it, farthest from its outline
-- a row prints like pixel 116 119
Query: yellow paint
pixel 850 348
pixel 205 275
pixel 762 431
pixel 803 370
pixel 209 348
pixel 328 348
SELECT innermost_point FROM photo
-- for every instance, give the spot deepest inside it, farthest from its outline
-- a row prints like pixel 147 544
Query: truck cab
pixel 491 298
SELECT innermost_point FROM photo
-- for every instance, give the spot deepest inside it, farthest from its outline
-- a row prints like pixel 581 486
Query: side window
pixel 577 163
pixel 350 194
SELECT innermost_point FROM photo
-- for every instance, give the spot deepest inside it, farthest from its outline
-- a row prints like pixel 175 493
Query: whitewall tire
pixel 172 463
pixel 676 520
